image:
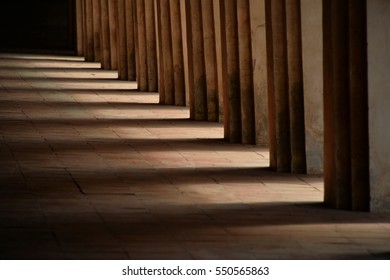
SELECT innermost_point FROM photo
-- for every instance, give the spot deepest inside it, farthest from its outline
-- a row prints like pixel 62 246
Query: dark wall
pixel 37 25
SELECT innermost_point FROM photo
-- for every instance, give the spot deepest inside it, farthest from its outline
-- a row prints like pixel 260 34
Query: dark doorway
pixel 41 26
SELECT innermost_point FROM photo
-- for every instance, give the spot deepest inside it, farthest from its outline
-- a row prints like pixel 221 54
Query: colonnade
pixel 290 74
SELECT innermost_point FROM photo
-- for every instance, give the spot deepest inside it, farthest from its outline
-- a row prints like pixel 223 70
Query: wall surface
pixel 378 12
pixel 40 24
pixel 312 41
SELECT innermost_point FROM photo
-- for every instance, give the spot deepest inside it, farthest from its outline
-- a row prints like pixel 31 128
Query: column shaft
pixel 113 22
pixel 79 27
pixel 336 92
pixel 137 61
pixel 198 63
pixel 177 52
pixel 259 58
pixel 105 36
pixel 84 12
pixel 189 58
pixel 89 51
pixel 280 87
pixel 210 59
pixel 142 55
pixel 122 44
pixel 358 86
pixel 160 63
pixel 130 40
pixel 184 34
pixel 96 29
pixel 151 51
pixel 230 39
pixel 219 59
pixel 271 88
pixel 167 95
pixel 295 84
pixel 346 105
pixel 246 72
pixel 312 58
pixel 329 145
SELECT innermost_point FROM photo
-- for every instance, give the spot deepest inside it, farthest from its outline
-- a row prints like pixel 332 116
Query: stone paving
pixel 92 169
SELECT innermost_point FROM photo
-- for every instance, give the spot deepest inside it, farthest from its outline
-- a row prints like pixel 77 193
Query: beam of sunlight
pixel 11 63
pixel 66 73
pixel 97 84
pixel 53 73
pixel 48 85
pixel 41 57
pixel 80 153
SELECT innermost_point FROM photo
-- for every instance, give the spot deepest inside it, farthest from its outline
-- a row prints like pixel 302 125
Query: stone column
pixel 166 79
pixel 79 27
pixel 142 77
pixel 177 52
pixel 130 40
pixel 219 59
pixel 105 36
pixel 259 62
pixel 137 62
pixel 196 54
pixel 270 82
pixel 337 165
pixel 89 50
pixel 285 86
pixel 122 44
pixel 312 51
pixel 151 45
pixel 329 119
pixel 232 110
pixel 358 86
pixel 246 72
pixel 280 85
pixel 295 86
pixel 345 102
pixel 157 14
pixel 113 22
pixel 84 12
pixel 156 27
pixel 96 29
pixel 210 59
pixel 184 29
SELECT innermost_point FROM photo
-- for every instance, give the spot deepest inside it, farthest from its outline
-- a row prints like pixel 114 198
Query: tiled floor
pixel 91 170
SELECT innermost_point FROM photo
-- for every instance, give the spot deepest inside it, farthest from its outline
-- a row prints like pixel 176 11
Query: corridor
pixel 90 168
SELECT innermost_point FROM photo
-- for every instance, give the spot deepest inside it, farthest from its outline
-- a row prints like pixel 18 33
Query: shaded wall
pixel 44 25
pixel 378 12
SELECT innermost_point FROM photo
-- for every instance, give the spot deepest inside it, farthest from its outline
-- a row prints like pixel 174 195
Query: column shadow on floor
pixel 60 200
